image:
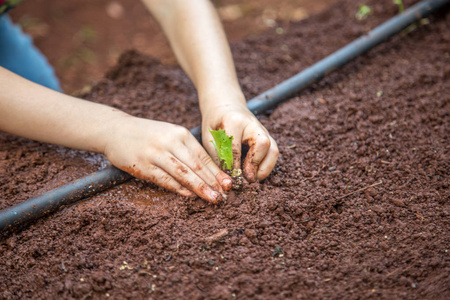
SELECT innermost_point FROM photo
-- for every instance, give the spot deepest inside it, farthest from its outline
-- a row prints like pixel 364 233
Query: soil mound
pixel 357 206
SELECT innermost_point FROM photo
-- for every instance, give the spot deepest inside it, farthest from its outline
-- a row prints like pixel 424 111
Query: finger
pixel 195 158
pixel 161 178
pixel 202 164
pixel 269 162
pixel 186 177
pixel 259 143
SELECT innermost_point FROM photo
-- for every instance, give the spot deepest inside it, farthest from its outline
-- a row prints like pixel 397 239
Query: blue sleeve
pixel 19 55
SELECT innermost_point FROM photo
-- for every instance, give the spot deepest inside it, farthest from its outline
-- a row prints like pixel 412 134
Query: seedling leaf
pixel 400 5
pixel 222 142
pixel 363 12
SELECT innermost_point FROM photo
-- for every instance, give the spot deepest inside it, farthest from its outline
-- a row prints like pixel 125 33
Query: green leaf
pixel 222 142
pixel 363 12
pixel 400 5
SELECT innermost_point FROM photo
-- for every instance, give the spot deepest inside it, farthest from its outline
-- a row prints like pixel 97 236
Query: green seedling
pixel 363 12
pixel 10 4
pixel 222 143
pixel 400 5
pixel 87 34
pixel 415 25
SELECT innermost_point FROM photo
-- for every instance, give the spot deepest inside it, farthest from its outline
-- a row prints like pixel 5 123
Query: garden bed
pixel 357 206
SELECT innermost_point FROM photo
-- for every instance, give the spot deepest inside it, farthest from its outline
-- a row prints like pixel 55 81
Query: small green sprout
pixel 400 5
pixel 222 142
pixel 363 12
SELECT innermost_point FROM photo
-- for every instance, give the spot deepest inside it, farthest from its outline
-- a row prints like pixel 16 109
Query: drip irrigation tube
pixel 94 183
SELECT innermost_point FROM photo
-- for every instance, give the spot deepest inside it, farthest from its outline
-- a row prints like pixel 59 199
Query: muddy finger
pixel 213 169
pixel 269 161
pixel 259 146
pixel 189 179
pixel 196 158
pixel 161 178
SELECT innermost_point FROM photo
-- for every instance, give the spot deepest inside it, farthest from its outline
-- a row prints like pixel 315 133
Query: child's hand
pixel 167 155
pixel 238 121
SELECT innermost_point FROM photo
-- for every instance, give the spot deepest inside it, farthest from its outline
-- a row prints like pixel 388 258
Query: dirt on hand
pixel 357 206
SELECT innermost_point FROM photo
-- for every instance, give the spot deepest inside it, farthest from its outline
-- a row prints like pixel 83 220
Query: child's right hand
pixel 167 155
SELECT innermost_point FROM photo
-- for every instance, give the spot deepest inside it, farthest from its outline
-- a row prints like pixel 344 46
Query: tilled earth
pixel 357 206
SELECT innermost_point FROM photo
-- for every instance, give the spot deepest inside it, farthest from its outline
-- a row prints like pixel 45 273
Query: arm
pixel 198 40
pixel 137 146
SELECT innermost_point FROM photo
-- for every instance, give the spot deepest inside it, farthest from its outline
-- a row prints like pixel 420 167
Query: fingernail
pixel 226 184
pixel 187 194
pixel 214 196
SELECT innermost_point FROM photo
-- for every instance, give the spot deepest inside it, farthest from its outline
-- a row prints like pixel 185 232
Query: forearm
pixel 32 111
pixel 199 42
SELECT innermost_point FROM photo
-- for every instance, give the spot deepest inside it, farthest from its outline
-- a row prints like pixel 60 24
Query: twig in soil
pixel 398 269
pixel 361 189
pixel 217 236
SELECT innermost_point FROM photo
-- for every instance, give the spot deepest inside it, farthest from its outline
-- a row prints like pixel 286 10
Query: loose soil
pixel 357 206
pixel 84 38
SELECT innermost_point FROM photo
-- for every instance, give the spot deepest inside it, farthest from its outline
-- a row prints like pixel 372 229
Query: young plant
pixel 363 12
pixel 222 143
pixel 400 5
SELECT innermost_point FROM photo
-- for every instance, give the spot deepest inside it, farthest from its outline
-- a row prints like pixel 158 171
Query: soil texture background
pixel 357 206
pixel 84 38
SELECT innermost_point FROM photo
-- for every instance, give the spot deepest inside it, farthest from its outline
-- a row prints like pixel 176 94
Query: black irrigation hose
pixel 99 181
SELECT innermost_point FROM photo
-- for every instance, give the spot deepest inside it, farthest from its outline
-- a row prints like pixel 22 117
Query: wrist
pixel 115 123
pixel 220 98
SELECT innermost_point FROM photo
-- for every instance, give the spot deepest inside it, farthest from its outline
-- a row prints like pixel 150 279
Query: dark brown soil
pixel 357 207
pixel 84 38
